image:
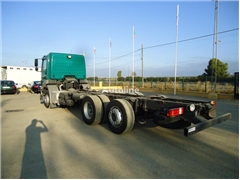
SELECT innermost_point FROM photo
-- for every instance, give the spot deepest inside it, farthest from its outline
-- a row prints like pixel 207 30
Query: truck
pixel 63 78
pixel 21 75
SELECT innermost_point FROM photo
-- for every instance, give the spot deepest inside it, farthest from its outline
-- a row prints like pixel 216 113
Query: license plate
pixel 191 129
pixel 6 87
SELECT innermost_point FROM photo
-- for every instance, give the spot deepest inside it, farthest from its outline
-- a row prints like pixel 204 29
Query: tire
pixel 92 110
pixel 120 116
pixel 105 100
pixel 46 99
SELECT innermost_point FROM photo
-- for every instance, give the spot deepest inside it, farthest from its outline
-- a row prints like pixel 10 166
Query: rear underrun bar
pixel 206 124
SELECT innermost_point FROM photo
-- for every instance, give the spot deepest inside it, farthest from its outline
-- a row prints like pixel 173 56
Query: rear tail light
pixel 175 112
pixel 213 103
pixel 14 87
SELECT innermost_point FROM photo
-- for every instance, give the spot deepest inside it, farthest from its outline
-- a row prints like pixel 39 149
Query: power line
pixel 166 44
pixel 119 65
pixel 117 57
pixel 125 55
pixel 190 39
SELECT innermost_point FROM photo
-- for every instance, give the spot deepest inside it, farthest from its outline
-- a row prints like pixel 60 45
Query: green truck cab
pixel 60 73
pixel 56 66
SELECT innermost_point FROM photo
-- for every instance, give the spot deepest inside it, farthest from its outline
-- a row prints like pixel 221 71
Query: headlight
pixel 191 107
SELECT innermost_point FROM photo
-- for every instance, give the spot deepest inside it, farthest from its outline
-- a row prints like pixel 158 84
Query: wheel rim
pixel 88 110
pixel 115 116
pixel 46 100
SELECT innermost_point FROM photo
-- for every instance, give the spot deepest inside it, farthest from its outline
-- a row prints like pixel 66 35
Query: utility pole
pixel 94 53
pixel 129 74
pixel 176 56
pixel 142 69
pixel 216 41
pixel 133 60
pixel 213 93
pixel 109 63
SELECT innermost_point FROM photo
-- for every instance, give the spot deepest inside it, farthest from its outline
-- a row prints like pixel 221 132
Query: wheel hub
pixel 88 110
pixel 115 116
pixel 46 99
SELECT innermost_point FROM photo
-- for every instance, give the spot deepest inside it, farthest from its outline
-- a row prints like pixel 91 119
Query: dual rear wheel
pixel 118 113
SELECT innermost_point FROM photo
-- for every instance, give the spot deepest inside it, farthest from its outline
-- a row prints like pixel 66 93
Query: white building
pixel 20 75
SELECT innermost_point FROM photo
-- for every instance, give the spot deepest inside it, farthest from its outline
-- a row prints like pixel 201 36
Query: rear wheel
pixel 91 110
pixel 105 100
pixel 120 116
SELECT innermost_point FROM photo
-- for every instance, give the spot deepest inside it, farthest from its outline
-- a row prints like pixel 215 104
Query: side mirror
pixel 36 62
pixel 36 68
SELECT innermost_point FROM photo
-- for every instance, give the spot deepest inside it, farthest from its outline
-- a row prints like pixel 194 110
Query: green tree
pixel 222 68
pixel 128 78
pixel 119 74
pixel 120 78
pixel 137 78
pixel 92 78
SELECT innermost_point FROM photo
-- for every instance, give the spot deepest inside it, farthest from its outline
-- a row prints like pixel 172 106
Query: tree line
pixel 214 67
pixel 229 79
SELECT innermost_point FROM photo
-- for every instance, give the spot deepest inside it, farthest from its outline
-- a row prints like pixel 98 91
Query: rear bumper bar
pixel 206 124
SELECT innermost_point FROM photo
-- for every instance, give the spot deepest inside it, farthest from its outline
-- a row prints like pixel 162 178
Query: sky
pixel 33 29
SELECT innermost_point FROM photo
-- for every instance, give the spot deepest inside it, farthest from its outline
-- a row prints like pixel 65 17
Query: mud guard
pixel 52 88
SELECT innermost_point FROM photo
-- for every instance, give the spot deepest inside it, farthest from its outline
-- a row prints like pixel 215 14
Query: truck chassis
pixel 122 110
pixel 64 84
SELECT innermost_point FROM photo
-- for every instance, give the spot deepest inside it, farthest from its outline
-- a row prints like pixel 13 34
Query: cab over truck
pixel 64 83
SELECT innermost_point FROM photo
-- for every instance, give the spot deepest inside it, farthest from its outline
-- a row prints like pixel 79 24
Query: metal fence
pixel 181 85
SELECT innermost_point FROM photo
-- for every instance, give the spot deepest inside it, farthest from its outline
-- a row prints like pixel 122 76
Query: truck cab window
pixel 44 66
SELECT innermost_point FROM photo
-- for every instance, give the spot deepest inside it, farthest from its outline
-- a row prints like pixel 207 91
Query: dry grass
pixel 199 86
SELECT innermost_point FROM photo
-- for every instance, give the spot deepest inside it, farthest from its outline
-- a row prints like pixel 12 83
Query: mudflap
pixel 51 89
pixel 206 124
